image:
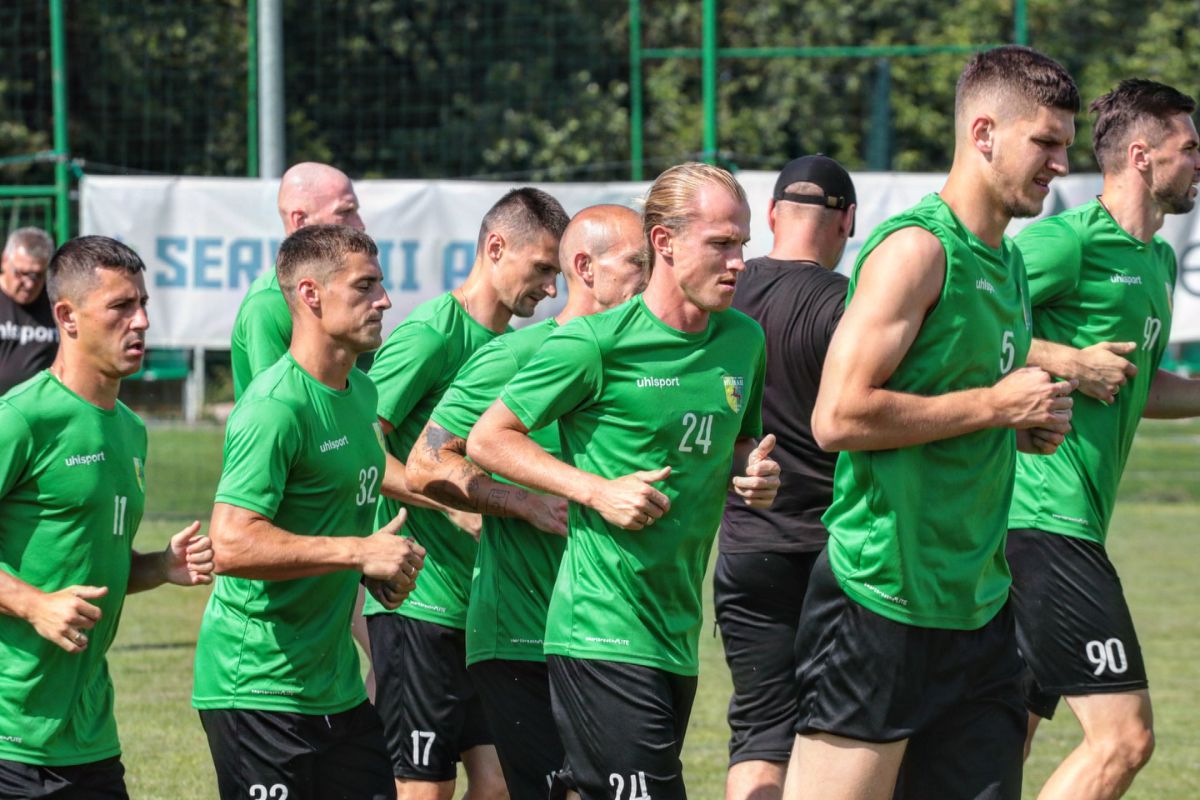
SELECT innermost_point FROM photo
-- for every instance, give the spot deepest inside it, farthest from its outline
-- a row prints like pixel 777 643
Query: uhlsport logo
pixel 733 391
pixel 139 472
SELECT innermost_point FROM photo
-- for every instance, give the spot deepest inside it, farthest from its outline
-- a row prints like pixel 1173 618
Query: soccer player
pixel 602 257
pixel 766 555
pixel 908 675
pixel 430 710
pixel 28 335
pixel 1101 284
pixel 657 403
pixel 309 194
pixel 72 491
pixel 277 679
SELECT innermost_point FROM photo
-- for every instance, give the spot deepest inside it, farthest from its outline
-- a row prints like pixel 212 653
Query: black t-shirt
pixel 798 304
pixel 28 339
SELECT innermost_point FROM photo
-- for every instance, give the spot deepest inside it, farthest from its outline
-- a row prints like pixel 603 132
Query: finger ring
pixel 78 637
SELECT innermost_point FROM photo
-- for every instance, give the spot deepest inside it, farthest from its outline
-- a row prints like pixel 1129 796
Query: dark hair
pixel 318 251
pixel 72 270
pixel 1033 76
pixel 522 214
pixel 1119 113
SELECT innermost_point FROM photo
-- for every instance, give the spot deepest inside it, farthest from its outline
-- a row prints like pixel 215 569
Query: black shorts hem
pixel 1081 690
pixel 774 757
pixel 809 730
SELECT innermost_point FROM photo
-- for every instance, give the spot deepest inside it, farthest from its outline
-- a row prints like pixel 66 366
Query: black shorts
pixel 99 780
pixel 431 712
pixel 273 754
pixel 622 726
pixel 516 698
pixel 1073 624
pixel 954 695
pixel 758 597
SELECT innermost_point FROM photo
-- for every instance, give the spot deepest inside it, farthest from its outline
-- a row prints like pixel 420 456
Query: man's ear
pixel 662 240
pixel 983 134
pixel 308 292
pixel 66 317
pixel 582 264
pixel 494 246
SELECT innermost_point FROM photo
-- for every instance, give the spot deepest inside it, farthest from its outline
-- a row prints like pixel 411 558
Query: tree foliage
pixel 529 89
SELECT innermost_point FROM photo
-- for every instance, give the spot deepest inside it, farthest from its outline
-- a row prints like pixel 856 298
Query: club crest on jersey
pixel 139 472
pixel 379 435
pixel 733 391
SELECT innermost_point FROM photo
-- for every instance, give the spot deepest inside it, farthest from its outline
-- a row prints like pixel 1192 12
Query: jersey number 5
pixel 1008 353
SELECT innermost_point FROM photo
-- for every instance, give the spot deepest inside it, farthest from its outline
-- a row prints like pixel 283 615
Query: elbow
pixel 829 431
pixel 478 449
pixel 416 473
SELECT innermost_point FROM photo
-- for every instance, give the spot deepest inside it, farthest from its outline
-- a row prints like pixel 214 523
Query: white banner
pixel 205 239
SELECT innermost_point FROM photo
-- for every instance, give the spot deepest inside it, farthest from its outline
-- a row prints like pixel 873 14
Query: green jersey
pixel 412 371
pixel 310 459
pixel 917 533
pixel 71 499
pixel 632 393
pixel 517 563
pixel 262 330
pixel 1092 282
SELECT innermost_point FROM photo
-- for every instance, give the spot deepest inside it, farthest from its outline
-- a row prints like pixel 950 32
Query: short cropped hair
pixel 72 271
pixel 1018 71
pixel 318 251
pixel 671 199
pixel 522 214
pixel 1123 112
pixel 34 241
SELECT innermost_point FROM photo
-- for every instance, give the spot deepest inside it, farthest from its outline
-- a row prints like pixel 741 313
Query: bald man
pixel 309 194
pixel 523 533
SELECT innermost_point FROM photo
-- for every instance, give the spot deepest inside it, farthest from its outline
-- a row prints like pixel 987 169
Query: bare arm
pixel 248 545
pixel 499 442
pixel 187 560
pixel 61 617
pixel 1100 368
pixel 897 286
pixel 438 467
pixel 395 480
pixel 1172 397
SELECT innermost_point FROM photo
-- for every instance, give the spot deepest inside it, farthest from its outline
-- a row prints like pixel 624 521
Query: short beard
pixel 1021 209
pixel 1174 202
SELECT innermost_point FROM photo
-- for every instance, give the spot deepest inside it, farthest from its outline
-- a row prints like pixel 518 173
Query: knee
pixel 1130 748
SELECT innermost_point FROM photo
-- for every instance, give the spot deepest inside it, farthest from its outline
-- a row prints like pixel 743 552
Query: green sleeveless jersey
pixel 917 533
pixel 412 371
pixel 1092 282
pixel 310 459
pixel 262 330
pixel 71 498
pixel 517 563
pixel 632 393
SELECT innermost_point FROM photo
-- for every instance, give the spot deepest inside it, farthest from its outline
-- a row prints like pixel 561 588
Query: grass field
pixel 1150 542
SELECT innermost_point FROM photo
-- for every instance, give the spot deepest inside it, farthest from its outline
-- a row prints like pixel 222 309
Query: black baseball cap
pixel 837 190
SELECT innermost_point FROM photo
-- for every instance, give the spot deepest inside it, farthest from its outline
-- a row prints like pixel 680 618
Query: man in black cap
pixel 766 554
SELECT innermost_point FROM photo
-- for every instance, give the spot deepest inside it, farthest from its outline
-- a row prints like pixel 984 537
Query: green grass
pixel 1151 542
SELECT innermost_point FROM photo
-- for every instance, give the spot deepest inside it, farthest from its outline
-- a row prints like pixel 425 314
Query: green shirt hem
pixel 73 760
pixel 458 621
pixel 1054 526
pixel 869 601
pixel 280 703
pixel 587 654
pixel 499 654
